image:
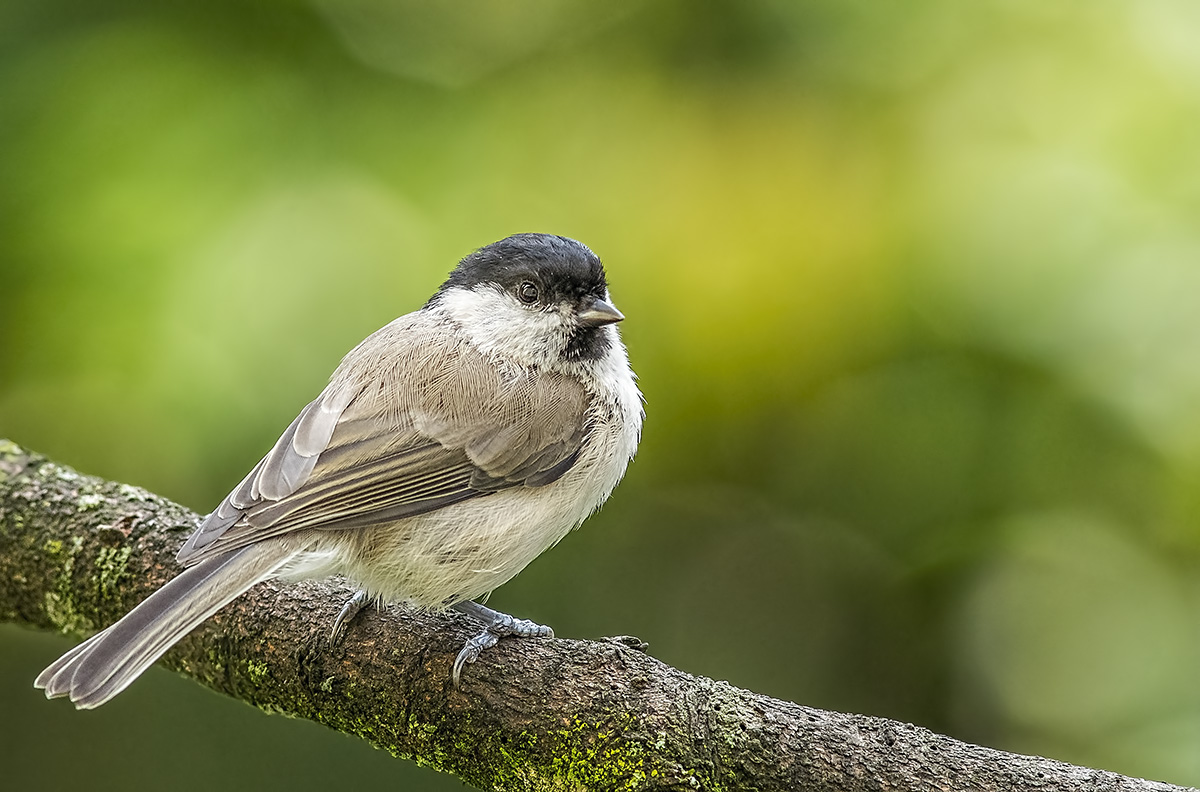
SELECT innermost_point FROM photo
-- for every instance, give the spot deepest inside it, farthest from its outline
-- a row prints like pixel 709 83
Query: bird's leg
pixel 497 626
pixel 347 614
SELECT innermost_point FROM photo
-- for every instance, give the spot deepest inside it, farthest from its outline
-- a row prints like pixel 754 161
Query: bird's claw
pixel 471 651
pixel 498 626
pixel 346 615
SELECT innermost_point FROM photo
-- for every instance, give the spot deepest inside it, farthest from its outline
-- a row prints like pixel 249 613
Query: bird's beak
pixel 599 313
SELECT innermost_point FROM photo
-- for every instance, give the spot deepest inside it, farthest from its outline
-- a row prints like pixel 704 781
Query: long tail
pixel 105 664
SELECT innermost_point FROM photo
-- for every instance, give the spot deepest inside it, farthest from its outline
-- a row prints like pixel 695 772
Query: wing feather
pixel 438 424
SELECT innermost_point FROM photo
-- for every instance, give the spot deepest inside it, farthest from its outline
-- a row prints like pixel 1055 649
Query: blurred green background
pixel 912 291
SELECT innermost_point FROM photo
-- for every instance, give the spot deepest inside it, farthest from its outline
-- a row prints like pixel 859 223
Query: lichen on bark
pixel 77 552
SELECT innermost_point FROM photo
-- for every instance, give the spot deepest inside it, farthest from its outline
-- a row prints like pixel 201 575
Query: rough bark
pixel 77 552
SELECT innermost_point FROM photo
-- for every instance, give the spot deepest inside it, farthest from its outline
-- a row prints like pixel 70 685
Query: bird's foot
pixel 351 609
pixel 498 626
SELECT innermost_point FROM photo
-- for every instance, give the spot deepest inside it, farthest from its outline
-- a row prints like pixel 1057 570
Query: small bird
pixel 450 448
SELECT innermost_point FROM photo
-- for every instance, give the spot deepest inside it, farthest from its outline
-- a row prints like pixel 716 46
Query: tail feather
pixel 105 664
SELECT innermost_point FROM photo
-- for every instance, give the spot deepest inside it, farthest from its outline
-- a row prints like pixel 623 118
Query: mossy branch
pixel 77 552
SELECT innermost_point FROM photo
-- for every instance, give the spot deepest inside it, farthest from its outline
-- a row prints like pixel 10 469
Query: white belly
pixel 466 550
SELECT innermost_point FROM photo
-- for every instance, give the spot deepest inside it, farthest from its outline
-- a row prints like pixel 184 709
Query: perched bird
pixel 450 448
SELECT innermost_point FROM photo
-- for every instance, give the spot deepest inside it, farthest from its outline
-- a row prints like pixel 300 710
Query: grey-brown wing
pixel 430 430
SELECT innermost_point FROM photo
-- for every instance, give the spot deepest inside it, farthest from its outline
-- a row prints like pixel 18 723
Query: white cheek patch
pixel 498 325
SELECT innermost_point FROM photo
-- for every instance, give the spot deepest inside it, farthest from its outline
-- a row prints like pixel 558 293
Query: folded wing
pixel 430 426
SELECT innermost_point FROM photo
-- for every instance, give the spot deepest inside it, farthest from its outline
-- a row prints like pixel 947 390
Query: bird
pixel 450 448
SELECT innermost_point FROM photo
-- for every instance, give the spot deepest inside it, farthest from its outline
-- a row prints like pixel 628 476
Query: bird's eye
pixel 527 293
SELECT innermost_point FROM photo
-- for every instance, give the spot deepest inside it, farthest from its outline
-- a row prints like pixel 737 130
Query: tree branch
pixel 77 552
